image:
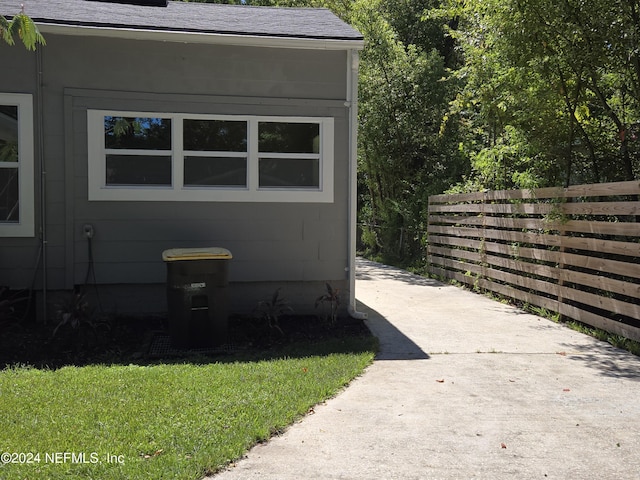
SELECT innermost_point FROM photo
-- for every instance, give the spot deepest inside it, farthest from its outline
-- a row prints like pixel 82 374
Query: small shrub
pixel 78 319
pixel 271 310
pixel 332 299
pixel 10 304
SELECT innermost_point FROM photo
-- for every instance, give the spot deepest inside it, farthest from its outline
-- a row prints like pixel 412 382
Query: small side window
pixel 138 151
pixel 16 165
pixel 289 155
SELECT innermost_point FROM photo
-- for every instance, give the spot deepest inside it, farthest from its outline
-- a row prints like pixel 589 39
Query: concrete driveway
pixel 464 387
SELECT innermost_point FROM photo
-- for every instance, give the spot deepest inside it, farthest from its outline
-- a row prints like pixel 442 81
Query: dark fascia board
pixel 143 3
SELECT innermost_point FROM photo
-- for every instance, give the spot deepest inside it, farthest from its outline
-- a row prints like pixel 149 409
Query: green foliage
pixel 271 310
pixel 405 152
pixel 331 298
pixel 23 27
pixel 617 341
pixel 10 303
pixel 77 321
pixel 551 89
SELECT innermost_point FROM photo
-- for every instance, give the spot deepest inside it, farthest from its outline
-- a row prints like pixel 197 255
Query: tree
pixel 404 154
pixel 551 93
pixel 23 27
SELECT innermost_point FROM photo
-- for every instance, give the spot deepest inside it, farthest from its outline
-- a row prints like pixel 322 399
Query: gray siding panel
pixel 195 69
pixel 270 242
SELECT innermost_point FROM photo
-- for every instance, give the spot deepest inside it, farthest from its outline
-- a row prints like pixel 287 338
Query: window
pixel 289 154
pixel 179 157
pixel 16 165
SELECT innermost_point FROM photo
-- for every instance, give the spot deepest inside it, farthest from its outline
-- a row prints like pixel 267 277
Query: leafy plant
pixel 74 313
pixel 9 304
pixel 271 310
pixel 332 299
pixel 23 27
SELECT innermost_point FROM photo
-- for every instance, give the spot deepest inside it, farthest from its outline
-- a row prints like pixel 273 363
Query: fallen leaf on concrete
pixel 566 389
pixel 440 380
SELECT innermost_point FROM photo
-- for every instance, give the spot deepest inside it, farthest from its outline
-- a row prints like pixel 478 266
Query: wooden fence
pixel 574 251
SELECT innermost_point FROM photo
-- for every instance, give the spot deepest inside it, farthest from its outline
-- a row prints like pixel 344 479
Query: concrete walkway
pixel 465 387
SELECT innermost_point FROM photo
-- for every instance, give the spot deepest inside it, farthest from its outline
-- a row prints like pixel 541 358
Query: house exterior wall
pixel 273 244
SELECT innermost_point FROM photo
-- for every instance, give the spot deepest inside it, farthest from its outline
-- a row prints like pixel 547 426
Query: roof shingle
pixel 209 18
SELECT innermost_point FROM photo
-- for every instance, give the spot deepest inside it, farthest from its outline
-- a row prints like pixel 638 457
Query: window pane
pixel 289 137
pixel 214 171
pixel 138 170
pixel 8 133
pixel 137 133
pixel 215 136
pixel 9 211
pixel 287 172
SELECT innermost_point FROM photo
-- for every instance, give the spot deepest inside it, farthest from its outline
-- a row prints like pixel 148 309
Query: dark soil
pixel 124 340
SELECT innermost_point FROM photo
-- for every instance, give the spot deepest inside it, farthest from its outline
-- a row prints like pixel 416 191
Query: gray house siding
pixel 297 246
pixel 17 255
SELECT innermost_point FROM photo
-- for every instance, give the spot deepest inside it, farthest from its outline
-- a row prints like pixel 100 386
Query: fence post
pixel 483 249
pixel 562 232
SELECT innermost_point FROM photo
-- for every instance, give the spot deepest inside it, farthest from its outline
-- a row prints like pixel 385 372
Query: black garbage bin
pixel 197 296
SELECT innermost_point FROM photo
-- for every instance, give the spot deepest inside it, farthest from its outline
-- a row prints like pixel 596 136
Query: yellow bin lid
pixel 213 253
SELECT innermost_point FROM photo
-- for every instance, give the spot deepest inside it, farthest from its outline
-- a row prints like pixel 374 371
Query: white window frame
pixel 100 191
pixel 26 225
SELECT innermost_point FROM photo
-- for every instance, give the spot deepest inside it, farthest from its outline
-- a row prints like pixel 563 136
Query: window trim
pixel 99 191
pixel 26 200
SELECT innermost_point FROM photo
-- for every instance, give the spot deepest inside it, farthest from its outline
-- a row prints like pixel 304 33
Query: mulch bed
pixel 124 340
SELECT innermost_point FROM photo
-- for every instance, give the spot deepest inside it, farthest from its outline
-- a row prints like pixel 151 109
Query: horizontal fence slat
pixel 504 235
pixel 591 190
pixel 456 264
pixel 496 208
pixel 602 265
pixel 527 297
pixel 601 208
pixel 602 246
pixel 470 255
pixel 501 222
pixel 601 302
pixel 578 243
pixel 521 281
pixel 606 284
pixel 627 229
pixel 611 189
pixel 580 208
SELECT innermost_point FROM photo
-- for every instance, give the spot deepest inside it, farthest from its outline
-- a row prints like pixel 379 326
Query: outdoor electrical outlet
pixel 87 231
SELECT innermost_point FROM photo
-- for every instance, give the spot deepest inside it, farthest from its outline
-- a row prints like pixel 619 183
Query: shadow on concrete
pixel 394 345
pixel 610 361
pixel 368 270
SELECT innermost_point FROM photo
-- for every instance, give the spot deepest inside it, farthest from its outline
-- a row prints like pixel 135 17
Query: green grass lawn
pixel 171 421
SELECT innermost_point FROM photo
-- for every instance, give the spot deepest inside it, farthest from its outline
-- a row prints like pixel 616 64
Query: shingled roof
pixel 187 18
